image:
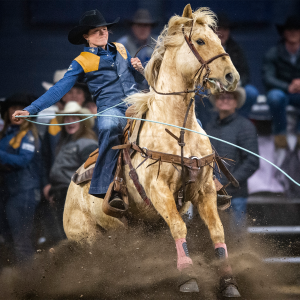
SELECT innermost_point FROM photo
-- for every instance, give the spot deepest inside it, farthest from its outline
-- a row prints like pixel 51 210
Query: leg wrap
pixel 221 251
pixel 183 259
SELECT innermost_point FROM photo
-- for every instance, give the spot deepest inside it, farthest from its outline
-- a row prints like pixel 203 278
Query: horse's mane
pixel 171 36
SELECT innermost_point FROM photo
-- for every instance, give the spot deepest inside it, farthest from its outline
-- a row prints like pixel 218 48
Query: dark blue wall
pixel 33 33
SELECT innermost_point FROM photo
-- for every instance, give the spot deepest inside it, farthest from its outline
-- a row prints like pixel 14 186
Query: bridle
pixel 197 91
pixel 204 65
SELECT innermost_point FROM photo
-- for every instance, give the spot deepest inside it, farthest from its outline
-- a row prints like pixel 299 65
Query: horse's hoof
pixel 190 286
pixel 231 292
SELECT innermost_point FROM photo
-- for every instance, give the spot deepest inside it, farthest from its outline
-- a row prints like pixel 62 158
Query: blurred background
pixel 33 33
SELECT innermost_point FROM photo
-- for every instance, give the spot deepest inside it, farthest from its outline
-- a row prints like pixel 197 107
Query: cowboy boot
pixel 116 201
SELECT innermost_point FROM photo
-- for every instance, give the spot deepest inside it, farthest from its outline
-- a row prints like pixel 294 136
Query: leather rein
pixel 204 65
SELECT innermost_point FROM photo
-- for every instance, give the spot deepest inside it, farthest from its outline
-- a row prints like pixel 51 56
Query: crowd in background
pixel 37 162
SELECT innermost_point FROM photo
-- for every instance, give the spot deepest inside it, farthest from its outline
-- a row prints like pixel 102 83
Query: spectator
pixel 140 35
pixel 281 75
pixel 231 127
pixel 76 143
pixel 20 174
pixel 79 93
pixel 240 62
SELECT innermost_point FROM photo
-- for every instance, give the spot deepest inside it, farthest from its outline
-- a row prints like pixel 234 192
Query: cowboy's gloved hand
pixel 136 63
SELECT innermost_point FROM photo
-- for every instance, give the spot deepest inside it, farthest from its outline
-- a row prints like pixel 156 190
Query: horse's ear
pixel 187 12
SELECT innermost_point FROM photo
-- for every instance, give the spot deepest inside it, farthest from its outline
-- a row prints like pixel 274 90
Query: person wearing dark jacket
pixel 239 61
pixel 230 126
pixel 77 142
pixel 111 76
pixel 281 76
pixel 19 174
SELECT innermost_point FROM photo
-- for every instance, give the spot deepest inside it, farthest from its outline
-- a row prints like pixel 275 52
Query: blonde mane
pixel 171 36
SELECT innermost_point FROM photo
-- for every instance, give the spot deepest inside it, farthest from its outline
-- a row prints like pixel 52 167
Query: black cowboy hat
pixel 291 22
pixel 22 99
pixel 90 19
pixel 142 16
pixel 223 21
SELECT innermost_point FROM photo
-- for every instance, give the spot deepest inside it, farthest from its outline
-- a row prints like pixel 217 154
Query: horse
pixel 174 66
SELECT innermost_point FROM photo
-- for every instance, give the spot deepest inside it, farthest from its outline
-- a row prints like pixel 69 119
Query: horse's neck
pixel 172 108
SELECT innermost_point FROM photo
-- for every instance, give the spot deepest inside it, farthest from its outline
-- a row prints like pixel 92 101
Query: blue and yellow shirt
pixel 19 152
pixel 108 73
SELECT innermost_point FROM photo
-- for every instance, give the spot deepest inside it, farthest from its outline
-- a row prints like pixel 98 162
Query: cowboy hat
pixel 73 107
pixel 239 95
pixel 142 16
pixel 22 99
pixel 90 19
pixel 291 22
pixel 58 75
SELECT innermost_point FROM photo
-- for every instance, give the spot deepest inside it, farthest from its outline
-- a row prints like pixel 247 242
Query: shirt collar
pixel 227 119
pixel 96 50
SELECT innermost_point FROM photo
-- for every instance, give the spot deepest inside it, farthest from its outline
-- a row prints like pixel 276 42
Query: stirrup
pixel 117 202
pixel 223 201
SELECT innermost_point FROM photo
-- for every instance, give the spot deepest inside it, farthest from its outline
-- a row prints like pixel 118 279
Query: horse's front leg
pixel 163 201
pixel 207 207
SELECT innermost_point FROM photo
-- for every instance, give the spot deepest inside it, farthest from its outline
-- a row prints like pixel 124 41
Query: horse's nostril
pixel 229 77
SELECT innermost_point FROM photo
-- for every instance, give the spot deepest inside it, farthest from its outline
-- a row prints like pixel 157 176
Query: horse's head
pixel 199 28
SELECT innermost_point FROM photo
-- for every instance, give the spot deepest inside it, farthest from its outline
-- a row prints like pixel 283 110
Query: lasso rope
pixel 157 122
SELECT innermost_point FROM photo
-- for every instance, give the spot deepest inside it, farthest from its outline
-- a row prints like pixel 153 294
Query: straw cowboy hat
pixel 239 95
pixel 58 75
pixel 142 16
pixel 73 107
pixel 90 19
pixel 291 22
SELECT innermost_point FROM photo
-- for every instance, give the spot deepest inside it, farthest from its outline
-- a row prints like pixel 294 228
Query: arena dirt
pixel 139 264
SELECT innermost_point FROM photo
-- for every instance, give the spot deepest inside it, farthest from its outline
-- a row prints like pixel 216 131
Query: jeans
pixel 238 208
pixel 278 101
pixel 110 135
pixel 20 210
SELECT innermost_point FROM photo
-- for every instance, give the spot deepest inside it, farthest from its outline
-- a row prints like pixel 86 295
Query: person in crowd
pixel 205 113
pixel 140 35
pixel 232 127
pixel 77 141
pixel 110 73
pixel 239 61
pixel 79 93
pixel 281 76
pixel 19 173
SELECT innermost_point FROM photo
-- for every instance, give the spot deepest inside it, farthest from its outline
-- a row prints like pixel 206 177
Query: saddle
pixel 128 148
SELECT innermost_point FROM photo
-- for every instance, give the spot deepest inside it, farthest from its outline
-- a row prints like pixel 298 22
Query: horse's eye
pixel 200 42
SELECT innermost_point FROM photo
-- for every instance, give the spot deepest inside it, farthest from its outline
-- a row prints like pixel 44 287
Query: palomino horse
pixel 172 68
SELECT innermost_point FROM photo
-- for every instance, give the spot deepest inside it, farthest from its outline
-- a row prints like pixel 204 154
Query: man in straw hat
pixel 281 75
pixel 111 75
pixel 232 127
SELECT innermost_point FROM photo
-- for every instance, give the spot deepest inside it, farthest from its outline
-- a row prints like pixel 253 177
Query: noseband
pixel 204 65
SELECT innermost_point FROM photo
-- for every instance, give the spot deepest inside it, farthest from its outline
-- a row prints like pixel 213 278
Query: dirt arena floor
pixel 141 264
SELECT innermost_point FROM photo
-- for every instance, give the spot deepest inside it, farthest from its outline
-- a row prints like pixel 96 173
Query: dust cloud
pixel 139 264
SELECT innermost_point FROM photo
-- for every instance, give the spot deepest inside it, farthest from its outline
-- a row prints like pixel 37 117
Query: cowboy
pixel 281 75
pixel 234 128
pixel 141 25
pixel 111 75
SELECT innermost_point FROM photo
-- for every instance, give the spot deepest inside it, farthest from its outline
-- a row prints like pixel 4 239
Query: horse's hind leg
pixel 207 207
